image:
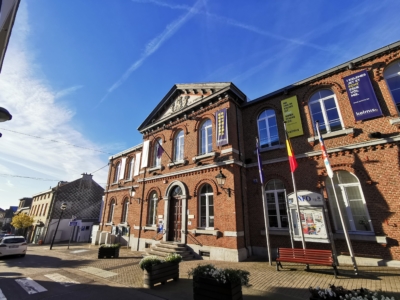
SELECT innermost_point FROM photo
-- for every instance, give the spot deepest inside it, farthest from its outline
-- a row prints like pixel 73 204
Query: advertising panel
pixel 291 115
pixel 222 127
pixel 362 96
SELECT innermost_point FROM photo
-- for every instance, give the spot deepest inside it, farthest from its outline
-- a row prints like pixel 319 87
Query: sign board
pixel 291 115
pixel 221 121
pixel 73 223
pixel 312 220
pixel 362 96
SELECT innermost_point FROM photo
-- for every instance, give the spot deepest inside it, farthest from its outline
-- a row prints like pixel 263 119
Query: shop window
pixel 157 153
pixel 392 77
pixel 324 109
pixel 117 170
pixel 276 204
pixel 268 129
pixel 125 210
pixel 179 146
pixel 206 137
pixel 351 201
pixel 206 207
pixel 111 211
pixel 153 202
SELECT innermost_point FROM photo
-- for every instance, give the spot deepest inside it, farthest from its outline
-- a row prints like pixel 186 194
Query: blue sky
pixel 87 73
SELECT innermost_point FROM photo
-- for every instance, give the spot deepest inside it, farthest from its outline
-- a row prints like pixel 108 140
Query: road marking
pixel 65 281
pixel 30 286
pixel 78 251
pixel 98 272
pixel 2 297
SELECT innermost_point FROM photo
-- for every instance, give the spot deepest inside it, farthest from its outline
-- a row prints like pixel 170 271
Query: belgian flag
pixel 292 159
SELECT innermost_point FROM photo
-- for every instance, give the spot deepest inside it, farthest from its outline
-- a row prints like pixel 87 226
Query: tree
pixel 22 221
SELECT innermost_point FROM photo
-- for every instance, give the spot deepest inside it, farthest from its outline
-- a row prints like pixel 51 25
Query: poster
pixel 291 115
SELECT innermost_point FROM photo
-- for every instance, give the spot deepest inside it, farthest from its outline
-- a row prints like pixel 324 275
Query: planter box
pixel 108 252
pixel 206 288
pixel 160 274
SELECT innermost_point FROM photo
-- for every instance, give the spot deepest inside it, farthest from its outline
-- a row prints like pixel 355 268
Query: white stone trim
pixel 234 233
pixel 395 121
pixel 272 148
pixel 332 134
pixel 154 168
pixel 203 156
pixel 229 150
pixel 136 227
pixel 204 231
pixel 177 163
pixel 150 228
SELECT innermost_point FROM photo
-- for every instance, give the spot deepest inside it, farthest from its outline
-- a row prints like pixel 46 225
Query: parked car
pixel 13 245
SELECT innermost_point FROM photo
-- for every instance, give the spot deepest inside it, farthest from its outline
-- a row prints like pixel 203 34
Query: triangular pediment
pixel 184 97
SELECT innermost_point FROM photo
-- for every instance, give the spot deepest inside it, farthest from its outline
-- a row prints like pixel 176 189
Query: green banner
pixel 291 115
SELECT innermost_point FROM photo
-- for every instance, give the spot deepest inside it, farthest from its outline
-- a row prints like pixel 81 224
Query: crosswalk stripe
pixel 2 297
pixel 98 272
pixel 78 251
pixel 30 286
pixel 65 281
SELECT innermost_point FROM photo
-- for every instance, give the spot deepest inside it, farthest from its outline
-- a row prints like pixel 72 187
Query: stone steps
pixel 163 248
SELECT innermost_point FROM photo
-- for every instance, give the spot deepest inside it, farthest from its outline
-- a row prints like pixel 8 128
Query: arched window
pixel 179 146
pixel 129 167
pixel 117 170
pixel 351 201
pixel 392 77
pixel 267 129
pixel 125 210
pixel 206 207
pixel 276 204
pixel 153 202
pixel 157 153
pixel 111 211
pixel 324 109
pixel 206 137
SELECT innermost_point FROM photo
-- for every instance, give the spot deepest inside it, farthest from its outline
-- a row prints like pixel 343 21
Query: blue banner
pixel 362 96
pixel 222 127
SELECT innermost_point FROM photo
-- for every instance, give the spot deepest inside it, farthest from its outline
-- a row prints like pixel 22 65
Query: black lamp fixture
pixel 63 207
pixel 221 178
pixel 4 115
pixel 133 193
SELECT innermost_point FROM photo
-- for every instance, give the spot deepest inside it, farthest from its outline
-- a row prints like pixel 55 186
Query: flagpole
pixel 331 174
pixel 159 145
pixel 295 194
pixel 289 221
pixel 264 208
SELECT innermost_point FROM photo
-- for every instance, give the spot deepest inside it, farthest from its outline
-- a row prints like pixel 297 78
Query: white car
pixel 13 245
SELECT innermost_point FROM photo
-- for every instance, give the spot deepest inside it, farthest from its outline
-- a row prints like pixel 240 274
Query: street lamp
pixel 4 115
pixel 221 178
pixel 63 207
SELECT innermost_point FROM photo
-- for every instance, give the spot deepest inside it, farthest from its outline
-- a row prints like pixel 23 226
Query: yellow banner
pixel 291 115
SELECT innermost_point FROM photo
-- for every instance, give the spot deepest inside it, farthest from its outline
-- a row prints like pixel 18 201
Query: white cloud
pixel 32 102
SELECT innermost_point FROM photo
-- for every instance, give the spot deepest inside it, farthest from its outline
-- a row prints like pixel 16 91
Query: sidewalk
pixel 265 282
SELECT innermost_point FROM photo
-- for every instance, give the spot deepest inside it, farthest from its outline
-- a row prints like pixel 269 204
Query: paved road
pixel 76 273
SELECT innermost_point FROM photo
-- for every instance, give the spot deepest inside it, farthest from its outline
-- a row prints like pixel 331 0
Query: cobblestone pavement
pixel 290 283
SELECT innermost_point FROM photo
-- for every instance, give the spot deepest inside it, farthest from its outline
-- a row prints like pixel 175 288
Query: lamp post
pixel 221 178
pixel 63 207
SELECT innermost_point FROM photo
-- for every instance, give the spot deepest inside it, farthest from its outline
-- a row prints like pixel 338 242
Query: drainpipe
pixel 106 197
pixel 141 209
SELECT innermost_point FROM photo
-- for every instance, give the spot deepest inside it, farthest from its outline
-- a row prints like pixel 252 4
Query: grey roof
pixel 127 151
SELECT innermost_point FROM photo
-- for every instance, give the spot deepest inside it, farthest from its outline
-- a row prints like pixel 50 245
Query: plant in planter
pixel 339 292
pixel 210 282
pixel 158 270
pixel 109 250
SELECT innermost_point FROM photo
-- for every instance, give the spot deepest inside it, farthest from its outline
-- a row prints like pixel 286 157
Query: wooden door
pixel 175 216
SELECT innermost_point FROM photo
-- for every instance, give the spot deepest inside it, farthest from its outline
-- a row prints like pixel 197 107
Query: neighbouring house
pixel 83 199
pixel 195 179
pixel 24 208
pixel 9 214
pixel 2 215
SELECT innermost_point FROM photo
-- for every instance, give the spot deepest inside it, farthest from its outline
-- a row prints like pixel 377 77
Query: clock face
pixel 1 215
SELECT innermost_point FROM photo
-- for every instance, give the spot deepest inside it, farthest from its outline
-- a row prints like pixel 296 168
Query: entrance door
pixel 175 215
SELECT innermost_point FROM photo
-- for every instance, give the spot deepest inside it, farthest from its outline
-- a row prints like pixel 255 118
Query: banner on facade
pixel 291 116
pixel 221 120
pixel 145 153
pixel 362 96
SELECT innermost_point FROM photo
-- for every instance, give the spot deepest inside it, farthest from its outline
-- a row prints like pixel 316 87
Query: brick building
pixel 199 133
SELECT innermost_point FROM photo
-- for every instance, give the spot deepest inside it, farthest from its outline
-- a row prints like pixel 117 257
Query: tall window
pixel 276 204
pixel 117 170
pixel 351 201
pixel 392 76
pixel 179 144
pixel 125 210
pixel 130 168
pixel 324 109
pixel 206 137
pixel 111 211
pixel 157 153
pixel 206 207
pixel 267 129
pixel 153 202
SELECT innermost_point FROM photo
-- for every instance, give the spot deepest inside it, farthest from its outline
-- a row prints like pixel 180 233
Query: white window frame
pixel 153 205
pixel 117 170
pixel 266 120
pixel 321 102
pixel 179 146
pixel 156 159
pixel 111 211
pixel 130 168
pixel 278 215
pixel 347 204
pixel 205 137
pixel 392 75
pixel 207 216
pixel 125 211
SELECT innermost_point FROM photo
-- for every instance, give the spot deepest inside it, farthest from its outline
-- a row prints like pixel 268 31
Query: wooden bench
pixel 306 256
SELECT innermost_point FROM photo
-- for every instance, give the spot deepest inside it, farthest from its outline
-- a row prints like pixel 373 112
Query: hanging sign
pixel 291 115
pixel 362 96
pixel 221 120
